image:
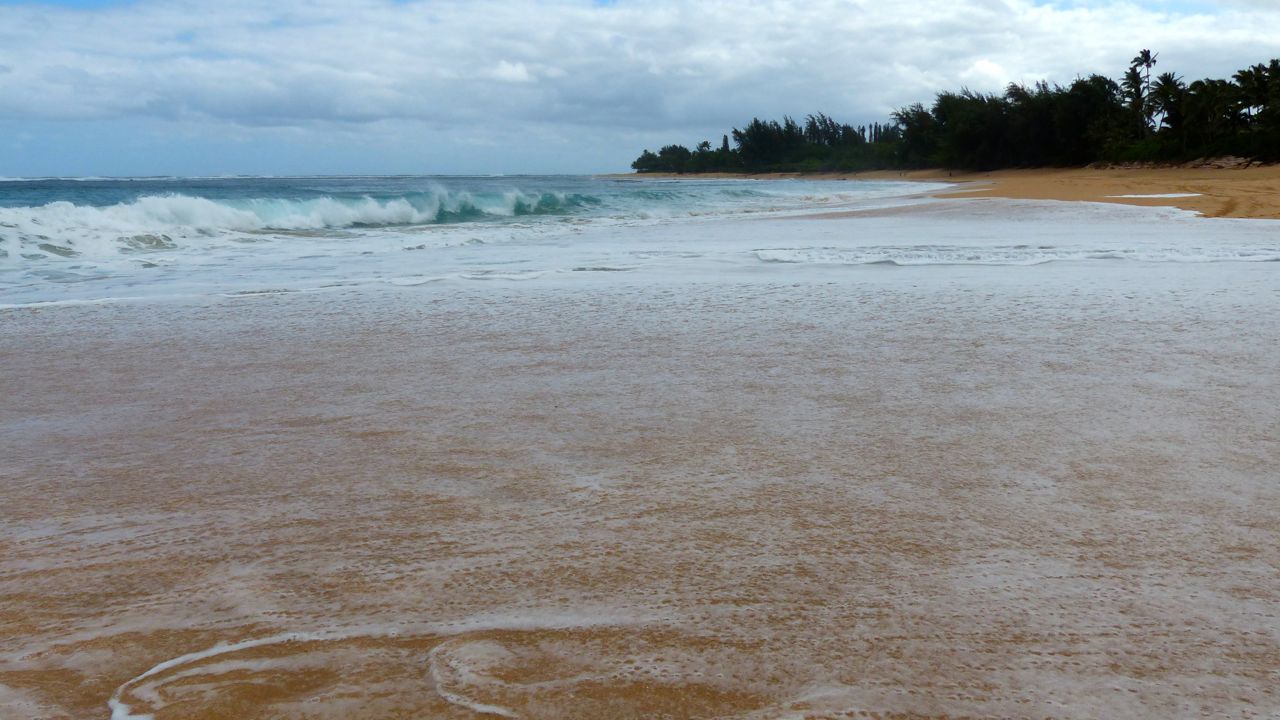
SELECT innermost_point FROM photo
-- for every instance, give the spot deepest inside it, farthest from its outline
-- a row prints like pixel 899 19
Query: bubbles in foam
pixel 104 239
pixel 1008 255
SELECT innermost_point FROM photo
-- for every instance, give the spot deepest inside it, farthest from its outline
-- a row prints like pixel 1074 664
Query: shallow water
pixel 783 490
pixel 77 242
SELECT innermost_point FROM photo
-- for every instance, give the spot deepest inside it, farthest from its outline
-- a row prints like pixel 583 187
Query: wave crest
pixel 90 229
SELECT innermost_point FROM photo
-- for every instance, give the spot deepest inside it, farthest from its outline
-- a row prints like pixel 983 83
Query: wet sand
pixel 959 494
pixel 1252 192
pixel 1247 192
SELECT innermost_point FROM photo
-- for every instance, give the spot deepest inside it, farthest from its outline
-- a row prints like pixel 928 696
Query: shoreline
pixel 1252 192
pixel 934 498
pixel 948 461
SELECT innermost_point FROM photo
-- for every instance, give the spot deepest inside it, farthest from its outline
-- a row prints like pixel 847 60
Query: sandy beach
pixel 1252 192
pixel 789 489
pixel 1243 192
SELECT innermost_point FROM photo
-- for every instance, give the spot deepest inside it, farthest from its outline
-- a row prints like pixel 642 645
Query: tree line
pixel 1141 118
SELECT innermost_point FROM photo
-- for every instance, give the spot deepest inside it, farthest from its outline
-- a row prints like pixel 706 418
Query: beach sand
pixel 975 494
pixel 1252 192
pixel 1245 192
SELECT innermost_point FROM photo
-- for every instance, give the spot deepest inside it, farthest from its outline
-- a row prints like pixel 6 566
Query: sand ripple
pixel 1049 497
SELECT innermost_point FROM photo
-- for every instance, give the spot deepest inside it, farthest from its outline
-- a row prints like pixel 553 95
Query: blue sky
pixel 113 87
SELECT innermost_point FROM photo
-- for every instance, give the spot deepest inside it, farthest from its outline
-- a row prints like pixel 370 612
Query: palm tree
pixel 1166 99
pixel 1147 60
pixel 1136 101
pixel 1270 115
pixel 1254 88
pixel 1139 93
pixel 1213 110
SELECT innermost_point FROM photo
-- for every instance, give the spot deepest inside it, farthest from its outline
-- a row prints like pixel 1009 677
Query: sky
pixel 194 87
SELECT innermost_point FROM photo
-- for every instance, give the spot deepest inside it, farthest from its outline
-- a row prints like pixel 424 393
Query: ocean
pixel 105 239
pixel 101 239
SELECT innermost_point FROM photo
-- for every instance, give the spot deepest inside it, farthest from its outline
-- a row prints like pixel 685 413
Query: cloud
pixel 511 72
pixel 633 68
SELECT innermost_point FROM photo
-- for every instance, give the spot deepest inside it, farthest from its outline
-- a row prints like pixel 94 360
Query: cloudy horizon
pixel 146 87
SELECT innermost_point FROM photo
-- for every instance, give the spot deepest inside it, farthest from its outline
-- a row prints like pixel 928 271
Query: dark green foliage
pixel 1141 118
pixel 1091 120
pixel 672 158
pixel 919 132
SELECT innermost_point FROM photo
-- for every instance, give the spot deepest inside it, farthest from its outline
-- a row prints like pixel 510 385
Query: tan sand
pixel 1238 193
pixel 1252 192
pixel 759 501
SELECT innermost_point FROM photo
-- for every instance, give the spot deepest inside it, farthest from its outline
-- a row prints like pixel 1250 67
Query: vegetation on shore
pixel 1141 118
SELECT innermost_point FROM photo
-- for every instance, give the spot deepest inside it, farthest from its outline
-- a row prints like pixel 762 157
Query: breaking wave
pixel 152 222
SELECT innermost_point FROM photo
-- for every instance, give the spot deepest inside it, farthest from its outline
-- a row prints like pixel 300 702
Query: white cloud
pixel 511 72
pixel 984 73
pixel 630 69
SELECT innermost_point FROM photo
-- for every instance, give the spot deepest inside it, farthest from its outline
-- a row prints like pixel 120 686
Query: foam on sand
pixel 1157 195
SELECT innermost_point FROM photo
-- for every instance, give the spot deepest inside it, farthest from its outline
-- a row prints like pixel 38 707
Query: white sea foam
pixel 497 275
pixel 1158 195
pixel 183 222
pixel 69 303
pixel 584 618
pixel 1018 255
pixel 448 671
pixel 82 226
pixel 182 245
pixel 122 711
pixel 414 281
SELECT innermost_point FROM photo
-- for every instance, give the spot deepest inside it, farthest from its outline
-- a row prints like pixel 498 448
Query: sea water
pixel 107 239
pixel 98 239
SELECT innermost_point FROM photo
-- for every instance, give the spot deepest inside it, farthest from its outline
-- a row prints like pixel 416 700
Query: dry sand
pixel 1252 192
pixel 1239 193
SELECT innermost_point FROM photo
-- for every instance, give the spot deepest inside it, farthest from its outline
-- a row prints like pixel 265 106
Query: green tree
pixel 1088 118
pixel 1146 60
pixel 1135 99
pixel 1212 113
pixel 919 144
pixel 1166 100
pixel 1094 118
pixel 1032 131
pixel 647 162
pixel 1255 89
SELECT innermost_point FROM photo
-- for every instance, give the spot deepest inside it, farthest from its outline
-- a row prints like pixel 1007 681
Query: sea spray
pixel 43 219
pixel 64 242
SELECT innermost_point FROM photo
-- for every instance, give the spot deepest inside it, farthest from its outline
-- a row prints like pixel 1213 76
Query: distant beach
pixel 1240 190
pixel 583 448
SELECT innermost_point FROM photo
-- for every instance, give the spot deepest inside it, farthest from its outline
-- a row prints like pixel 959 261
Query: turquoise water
pixel 330 203
pixel 101 238
pixel 105 240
